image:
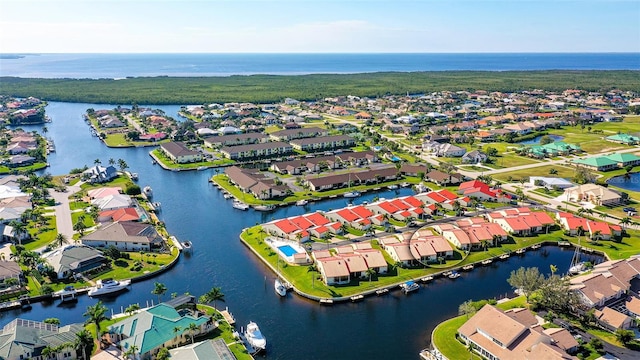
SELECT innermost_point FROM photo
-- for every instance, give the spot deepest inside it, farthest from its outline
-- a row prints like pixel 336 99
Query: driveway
pixel 62 211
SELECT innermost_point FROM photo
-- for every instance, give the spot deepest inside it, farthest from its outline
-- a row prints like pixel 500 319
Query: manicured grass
pixel 170 164
pixel 34 167
pixel 121 269
pixel 88 220
pixel 563 172
pixel 78 205
pixel 629 245
pixel 120 181
pixel 444 339
pixel 41 236
pixel 516 302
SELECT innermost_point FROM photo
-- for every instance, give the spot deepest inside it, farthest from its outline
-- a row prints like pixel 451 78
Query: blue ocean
pixel 137 65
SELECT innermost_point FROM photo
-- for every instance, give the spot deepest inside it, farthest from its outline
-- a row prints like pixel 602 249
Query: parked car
pixel 629 209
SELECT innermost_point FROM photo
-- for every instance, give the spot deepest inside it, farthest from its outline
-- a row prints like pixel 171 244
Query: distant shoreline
pixel 275 88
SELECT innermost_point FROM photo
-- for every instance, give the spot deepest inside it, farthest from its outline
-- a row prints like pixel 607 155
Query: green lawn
pixel 121 269
pixel 563 172
pixel 88 220
pixel 171 165
pixel 630 245
pixel 78 205
pixel 34 167
pixel 444 339
pixel 120 181
pixel 43 235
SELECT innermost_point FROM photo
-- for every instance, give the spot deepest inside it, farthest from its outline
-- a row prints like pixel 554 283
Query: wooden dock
pixel 228 317
pixel 564 243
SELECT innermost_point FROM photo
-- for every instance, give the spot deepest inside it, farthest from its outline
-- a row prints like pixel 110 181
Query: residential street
pixel 62 211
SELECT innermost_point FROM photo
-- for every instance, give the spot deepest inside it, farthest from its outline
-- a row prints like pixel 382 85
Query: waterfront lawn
pixel 41 236
pixel 225 331
pixel 171 165
pixel 33 167
pixel 124 268
pixel 444 339
pixel 121 181
pixel 630 245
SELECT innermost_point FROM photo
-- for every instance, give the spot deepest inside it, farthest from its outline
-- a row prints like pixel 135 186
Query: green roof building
pixel 152 329
pixel 624 159
pixel 623 138
pixel 599 163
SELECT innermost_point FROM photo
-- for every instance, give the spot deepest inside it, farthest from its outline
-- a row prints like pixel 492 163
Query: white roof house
pixel 550 182
pixel 112 202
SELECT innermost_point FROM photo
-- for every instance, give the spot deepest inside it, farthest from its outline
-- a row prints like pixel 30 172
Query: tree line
pixel 274 88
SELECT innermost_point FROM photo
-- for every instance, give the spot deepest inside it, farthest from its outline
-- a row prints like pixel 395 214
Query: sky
pixel 318 26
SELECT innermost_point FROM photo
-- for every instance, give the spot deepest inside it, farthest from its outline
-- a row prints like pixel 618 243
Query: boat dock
pixel 228 317
pixel 357 298
pixel 176 243
pixel 564 243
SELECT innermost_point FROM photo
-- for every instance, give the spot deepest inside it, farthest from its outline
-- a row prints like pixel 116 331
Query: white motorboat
pixel 454 275
pixel 351 194
pixel 186 246
pixel 280 288
pixel 576 266
pixel 255 337
pixel 409 286
pixel 108 286
pixel 302 202
pixel 147 191
pixel 227 196
pixel 237 204
pixel 269 207
pixel 392 187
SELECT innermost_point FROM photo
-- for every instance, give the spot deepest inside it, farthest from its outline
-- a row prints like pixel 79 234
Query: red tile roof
pixel 317 219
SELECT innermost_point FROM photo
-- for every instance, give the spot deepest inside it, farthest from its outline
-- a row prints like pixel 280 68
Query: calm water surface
pixel 390 327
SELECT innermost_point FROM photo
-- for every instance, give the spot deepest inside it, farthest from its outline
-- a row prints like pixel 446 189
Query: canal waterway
pixel 393 326
pixel 630 183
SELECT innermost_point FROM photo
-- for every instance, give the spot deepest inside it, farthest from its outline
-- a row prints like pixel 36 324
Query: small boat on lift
pixel 409 286
pixel 302 202
pixel 147 191
pixel 269 207
pixel 237 204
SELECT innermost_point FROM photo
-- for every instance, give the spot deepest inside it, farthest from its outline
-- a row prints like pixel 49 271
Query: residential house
pixel 474 157
pixel 442 178
pixel 511 334
pixel 70 260
pixel 27 339
pixel 252 151
pixel 323 143
pixel 298 133
pixel 100 174
pixel 215 349
pixel 237 139
pixel 153 328
pixel 179 153
pixel 593 193
pixel 334 270
pixel 125 236
pixel 256 183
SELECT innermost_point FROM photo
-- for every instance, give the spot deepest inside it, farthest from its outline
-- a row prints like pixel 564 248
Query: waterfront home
pixel 153 328
pixel 356 216
pixel 323 143
pixel 256 183
pixel 429 248
pixel 299 227
pixel 334 270
pixel 112 202
pixel 595 194
pixel 118 215
pixel 571 224
pixel 215 349
pixel 298 133
pixel 252 151
pixel 514 334
pixel 179 153
pixel 521 221
pixel 236 139
pixel 413 169
pixel 355 263
pixel 103 192
pixel 399 251
pixel 459 237
pixel 374 259
pixel 9 270
pixel 99 174
pixel 70 260
pixel 481 191
pixel 125 236
pixel 27 339
pixel 624 159
pixel 599 163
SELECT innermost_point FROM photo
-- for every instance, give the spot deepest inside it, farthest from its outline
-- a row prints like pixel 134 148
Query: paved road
pixel 62 211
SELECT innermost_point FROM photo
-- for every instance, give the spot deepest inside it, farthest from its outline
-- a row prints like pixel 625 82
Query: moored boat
pixel 237 204
pixel 302 202
pixel 486 262
pixel 68 294
pixel 536 247
pixel 269 207
pixel 467 267
pixel 454 275
pixel 351 194
pixel 147 191
pixel 186 246
pixel 409 286
pixel 255 337
pixel 521 251
pixel 504 256
pixel 108 286
pixel 280 288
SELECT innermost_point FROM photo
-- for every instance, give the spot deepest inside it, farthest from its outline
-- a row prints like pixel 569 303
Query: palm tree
pixel 131 352
pixel 625 221
pixel 83 340
pixel 19 230
pixel 79 226
pixel 112 161
pixel 213 295
pixel 163 354
pixel 370 272
pixel 192 328
pixel 312 269
pixel 95 315
pixel 97 161
pixel 159 289
pixel 131 309
pixel 485 244
pixel 553 269
pixel 61 240
pixel 122 165
pixel 177 329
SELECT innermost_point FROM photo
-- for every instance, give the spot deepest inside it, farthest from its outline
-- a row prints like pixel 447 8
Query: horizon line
pixel 326 53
